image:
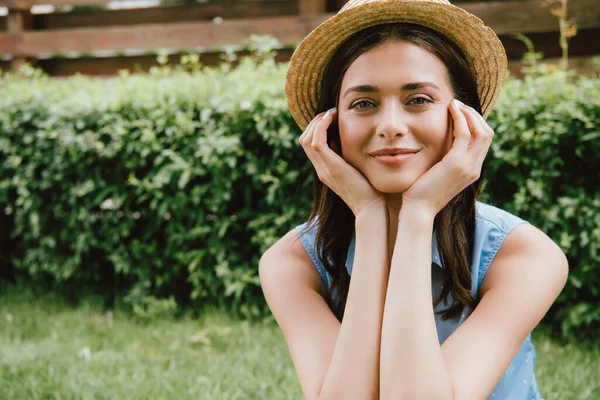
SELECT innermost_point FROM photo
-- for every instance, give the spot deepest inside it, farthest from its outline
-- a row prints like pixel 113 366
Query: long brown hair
pixel 454 224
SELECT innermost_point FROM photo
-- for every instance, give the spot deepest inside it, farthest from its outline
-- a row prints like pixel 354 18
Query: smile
pixel 394 160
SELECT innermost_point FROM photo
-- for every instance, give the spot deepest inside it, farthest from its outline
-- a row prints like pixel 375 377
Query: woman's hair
pixel 454 224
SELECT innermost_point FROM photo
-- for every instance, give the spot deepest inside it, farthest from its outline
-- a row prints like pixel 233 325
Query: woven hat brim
pixel 482 48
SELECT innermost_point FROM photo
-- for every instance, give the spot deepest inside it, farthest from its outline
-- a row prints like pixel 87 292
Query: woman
pixel 445 290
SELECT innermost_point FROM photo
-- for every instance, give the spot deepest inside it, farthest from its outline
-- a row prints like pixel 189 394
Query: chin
pixel 391 184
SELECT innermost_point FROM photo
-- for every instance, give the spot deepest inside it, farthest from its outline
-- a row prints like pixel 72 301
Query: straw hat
pixel 482 48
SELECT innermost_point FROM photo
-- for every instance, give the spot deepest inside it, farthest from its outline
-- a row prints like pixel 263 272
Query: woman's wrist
pixel 375 207
pixel 371 214
pixel 418 216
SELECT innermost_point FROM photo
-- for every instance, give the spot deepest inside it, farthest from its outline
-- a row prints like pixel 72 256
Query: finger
pixel 483 122
pixel 306 142
pixel 307 136
pixel 483 126
pixel 474 126
pixel 308 129
pixel 321 126
pixel 312 122
pixel 330 164
pixel 462 135
pixel 315 150
pixel 488 131
pixel 480 130
pixel 316 160
pixel 319 141
pixel 481 135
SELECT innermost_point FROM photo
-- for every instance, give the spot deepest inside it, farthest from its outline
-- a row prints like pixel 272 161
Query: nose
pixel 391 121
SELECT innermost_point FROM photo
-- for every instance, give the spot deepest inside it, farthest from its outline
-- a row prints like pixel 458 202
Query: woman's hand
pixel 460 167
pixel 348 183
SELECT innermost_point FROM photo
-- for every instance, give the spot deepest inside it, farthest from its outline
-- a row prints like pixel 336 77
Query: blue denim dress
pixel 491 227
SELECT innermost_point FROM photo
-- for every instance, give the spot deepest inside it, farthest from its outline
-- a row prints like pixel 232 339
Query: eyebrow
pixel 405 87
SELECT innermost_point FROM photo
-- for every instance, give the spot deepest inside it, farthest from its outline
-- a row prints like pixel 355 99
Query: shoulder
pixel 492 225
pixel 525 277
pixel 526 258
pixel 287 262
pixel 496 217
pixel 293 291
pixel 511 251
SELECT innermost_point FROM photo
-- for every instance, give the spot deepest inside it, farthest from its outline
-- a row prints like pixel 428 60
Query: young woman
pixel 401 285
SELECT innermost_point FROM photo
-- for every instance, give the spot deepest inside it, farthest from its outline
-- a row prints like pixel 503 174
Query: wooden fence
pixel 100 42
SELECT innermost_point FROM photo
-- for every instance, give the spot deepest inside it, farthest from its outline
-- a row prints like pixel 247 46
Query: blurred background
pixel 96 37
pixel 148 159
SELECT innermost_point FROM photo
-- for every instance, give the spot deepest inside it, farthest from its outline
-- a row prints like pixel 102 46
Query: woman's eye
pixel 364 102
pixel 425 101
pixel 417 101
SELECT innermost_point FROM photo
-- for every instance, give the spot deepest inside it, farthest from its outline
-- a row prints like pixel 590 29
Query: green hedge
pixel 545 168
pixel 174 183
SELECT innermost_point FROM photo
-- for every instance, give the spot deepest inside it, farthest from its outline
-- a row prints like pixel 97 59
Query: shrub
pixel 545 168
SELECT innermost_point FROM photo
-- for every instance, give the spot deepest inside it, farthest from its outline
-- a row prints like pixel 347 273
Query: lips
pixel 394 160
pixel 392 152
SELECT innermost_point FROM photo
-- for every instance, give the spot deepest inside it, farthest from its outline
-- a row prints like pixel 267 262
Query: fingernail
pixel 330 111
pixel 458 102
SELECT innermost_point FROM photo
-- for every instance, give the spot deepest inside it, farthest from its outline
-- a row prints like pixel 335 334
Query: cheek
pixel 350 152
pixel 352 140
pixel 438 136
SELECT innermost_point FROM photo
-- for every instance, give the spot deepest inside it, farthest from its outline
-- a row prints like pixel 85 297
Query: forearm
pixel 412 366
pixel 354 369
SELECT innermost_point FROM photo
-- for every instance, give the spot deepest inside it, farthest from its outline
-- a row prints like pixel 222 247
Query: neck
pixel 394 204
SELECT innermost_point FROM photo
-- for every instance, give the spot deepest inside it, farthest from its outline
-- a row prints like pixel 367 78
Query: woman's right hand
pixel 348 183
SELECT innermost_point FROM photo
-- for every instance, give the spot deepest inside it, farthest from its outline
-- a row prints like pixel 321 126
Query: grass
pixel 49 350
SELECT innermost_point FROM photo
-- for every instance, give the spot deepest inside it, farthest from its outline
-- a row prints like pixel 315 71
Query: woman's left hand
pixel 460 167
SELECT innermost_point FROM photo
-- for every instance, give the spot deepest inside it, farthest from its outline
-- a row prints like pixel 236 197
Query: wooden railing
pixel 119 35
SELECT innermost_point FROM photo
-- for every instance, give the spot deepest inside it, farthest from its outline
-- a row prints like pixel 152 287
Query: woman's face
pixel 395 95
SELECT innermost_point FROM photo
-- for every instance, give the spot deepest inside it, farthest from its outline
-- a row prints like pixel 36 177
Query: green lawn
pixel 51 351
